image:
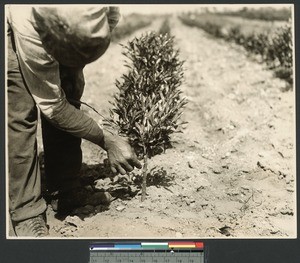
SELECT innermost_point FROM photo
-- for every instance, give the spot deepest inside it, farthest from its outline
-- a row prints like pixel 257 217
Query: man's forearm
pixel 74 121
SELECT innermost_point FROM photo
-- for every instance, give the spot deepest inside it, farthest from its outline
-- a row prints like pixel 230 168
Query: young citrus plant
pixel 148 105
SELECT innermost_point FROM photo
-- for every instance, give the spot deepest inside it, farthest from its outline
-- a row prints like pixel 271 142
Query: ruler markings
pixel 154 257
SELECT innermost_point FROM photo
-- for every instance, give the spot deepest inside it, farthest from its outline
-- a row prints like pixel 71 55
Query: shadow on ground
pixel 98 188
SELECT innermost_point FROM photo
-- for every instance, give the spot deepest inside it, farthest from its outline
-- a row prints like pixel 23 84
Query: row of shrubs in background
pixel 135 22
pixel 165 27
pixel 130 24
pixel 274 44
pixel 275 48
pixel 264 13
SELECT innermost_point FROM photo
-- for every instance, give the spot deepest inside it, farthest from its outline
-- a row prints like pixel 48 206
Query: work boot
pixel 32 227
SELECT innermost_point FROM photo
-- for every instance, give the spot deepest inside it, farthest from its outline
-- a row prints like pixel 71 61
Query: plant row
pixel 165 27
pixel 275 46
pixel 129 25
pixel 265 13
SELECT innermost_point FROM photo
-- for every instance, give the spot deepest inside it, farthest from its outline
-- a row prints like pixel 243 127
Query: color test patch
pixel 155 245
pixel 182 244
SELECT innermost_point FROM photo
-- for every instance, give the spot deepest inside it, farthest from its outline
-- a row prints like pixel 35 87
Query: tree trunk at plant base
pixel 144 173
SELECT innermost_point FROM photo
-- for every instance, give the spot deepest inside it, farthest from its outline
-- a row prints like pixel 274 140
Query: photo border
pixel 226 250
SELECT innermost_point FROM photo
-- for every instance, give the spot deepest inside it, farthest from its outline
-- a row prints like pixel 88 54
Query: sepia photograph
pixel 150 121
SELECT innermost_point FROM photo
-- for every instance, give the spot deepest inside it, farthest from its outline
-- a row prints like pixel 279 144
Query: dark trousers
pixel 62 151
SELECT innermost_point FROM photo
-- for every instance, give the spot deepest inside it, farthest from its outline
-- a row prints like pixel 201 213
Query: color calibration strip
pixel 149 245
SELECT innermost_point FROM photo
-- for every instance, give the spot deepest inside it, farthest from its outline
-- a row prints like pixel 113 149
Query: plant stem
pixel 144 172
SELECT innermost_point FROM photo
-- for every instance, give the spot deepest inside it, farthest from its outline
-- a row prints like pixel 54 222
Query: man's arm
pixel 41 74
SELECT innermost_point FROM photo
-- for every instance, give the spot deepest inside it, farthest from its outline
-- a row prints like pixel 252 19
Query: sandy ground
pixel 229 174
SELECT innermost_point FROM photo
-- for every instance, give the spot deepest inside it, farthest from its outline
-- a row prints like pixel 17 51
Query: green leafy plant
pixel 148 105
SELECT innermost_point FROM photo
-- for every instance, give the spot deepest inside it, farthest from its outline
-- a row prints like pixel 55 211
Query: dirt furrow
pixel 238 105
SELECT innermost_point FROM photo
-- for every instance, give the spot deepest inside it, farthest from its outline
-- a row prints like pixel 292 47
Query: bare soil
pixel 231 173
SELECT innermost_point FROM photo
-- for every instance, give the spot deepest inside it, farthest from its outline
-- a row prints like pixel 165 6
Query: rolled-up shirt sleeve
pixel 41 73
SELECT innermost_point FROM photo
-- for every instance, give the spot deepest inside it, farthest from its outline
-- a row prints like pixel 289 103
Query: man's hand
pixel 121 156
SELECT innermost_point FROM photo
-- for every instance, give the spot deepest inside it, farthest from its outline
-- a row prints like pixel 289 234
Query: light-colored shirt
pixel 41 74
